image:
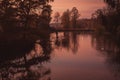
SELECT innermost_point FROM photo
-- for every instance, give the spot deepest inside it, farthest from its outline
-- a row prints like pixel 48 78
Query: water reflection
pixel 68 40
pixel 28 66
pixel 109 47
pixel 62 56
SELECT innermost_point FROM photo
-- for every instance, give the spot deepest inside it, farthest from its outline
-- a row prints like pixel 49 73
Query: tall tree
pixel 65 18
pixel 74 16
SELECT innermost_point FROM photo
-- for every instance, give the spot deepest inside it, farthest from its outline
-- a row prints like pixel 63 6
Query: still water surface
pixel 66 56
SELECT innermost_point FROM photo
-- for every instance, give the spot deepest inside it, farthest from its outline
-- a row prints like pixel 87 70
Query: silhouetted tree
pixel 114 4
pixel 69 17
pixel 21 11
pixel 74 16
pixel 65 18
pixel 109 17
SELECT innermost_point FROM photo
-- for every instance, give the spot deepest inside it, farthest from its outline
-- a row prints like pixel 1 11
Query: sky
pixel 85 7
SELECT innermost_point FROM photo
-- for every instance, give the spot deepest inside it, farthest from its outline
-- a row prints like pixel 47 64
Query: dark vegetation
pixel 13 65
pixel 20 15
pixel 107 25
pixel 22 22
pixel 108 18
pixel 17 15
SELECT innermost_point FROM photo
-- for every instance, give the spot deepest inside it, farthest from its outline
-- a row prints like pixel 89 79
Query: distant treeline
pixel 68 19
pixel 71 19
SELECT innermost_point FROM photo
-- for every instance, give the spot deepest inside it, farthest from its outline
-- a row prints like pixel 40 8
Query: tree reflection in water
pixel 110 48
pixel 29 66
pixel 67 40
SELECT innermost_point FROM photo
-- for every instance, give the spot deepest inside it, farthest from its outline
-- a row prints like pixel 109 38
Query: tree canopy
pixel 24 10
pixel 114 4
pixel 109 17
pixel 65 18
pixel 70 17
pixel 74 16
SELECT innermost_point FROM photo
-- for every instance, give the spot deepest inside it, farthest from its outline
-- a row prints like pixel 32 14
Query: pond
pixel 66 56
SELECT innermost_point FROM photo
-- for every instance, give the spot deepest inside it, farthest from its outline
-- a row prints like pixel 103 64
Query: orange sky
pixel 85 7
